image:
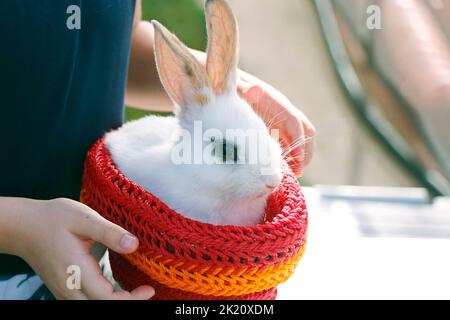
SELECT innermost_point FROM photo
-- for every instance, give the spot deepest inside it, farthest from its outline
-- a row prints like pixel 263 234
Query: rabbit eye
pixel 213 139
pixel 226 151
pixel 229 152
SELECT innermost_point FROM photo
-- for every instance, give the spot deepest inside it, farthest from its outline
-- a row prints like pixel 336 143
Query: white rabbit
pixel 231 193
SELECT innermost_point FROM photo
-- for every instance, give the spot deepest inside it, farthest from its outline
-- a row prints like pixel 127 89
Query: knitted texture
pixel 187 259
pixel 128 276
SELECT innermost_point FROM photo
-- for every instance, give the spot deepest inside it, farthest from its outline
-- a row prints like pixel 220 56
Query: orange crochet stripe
pixel 128 275
pixel 226 269
pixel 248 280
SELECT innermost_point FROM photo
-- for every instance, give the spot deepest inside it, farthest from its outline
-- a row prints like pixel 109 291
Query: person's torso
pixel 63 68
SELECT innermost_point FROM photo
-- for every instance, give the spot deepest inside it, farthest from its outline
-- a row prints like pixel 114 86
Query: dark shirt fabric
pixel 60 90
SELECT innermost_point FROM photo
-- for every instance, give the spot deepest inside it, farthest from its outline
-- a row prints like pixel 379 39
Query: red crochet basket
pixel 186 259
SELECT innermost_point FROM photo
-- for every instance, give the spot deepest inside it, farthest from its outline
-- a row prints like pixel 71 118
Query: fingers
pixel 77 295
pixel 91 225
pixel 294 146
pixel 93 283
pixel 302 154
pixel 295 128
pixel 310 133
pixel 96 287
pixel 295 163
pixel 140 293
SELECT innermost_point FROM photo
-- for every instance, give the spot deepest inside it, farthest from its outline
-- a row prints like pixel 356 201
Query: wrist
pixel 15 222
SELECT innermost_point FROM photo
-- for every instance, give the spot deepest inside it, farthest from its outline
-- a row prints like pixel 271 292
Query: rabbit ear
pixel 223 34
pixel 182 76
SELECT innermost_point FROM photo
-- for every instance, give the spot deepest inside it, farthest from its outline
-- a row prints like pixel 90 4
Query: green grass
pixel 186 19
pixel 134 114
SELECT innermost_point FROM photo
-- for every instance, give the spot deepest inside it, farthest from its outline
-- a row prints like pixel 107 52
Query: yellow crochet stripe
pixel 250 280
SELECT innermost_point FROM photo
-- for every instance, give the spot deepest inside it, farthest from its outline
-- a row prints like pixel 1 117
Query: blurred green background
pixel 185 18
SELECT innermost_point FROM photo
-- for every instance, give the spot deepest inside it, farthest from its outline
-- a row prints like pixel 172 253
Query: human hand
pixel 296 131
pixel 60 233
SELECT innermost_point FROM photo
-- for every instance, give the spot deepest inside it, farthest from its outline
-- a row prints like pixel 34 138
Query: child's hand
pixel 296 131
pixel 59 233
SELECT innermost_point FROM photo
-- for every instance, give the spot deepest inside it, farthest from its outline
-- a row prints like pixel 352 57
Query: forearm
pixel 144 90
pixel 12 212
pixel 142 69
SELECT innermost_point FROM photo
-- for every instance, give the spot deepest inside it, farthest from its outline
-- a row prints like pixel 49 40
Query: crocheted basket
pixel 186 259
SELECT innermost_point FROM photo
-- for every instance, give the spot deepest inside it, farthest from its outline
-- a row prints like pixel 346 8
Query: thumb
pixel 95 227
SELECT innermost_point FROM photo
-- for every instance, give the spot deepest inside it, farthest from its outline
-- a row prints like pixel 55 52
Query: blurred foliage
pixel 134 114
pixel 185 18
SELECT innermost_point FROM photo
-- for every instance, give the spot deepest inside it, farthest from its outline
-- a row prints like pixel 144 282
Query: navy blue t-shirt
pixel 61 88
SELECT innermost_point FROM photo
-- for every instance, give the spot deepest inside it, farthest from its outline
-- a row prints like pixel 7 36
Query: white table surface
pixel 340 263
